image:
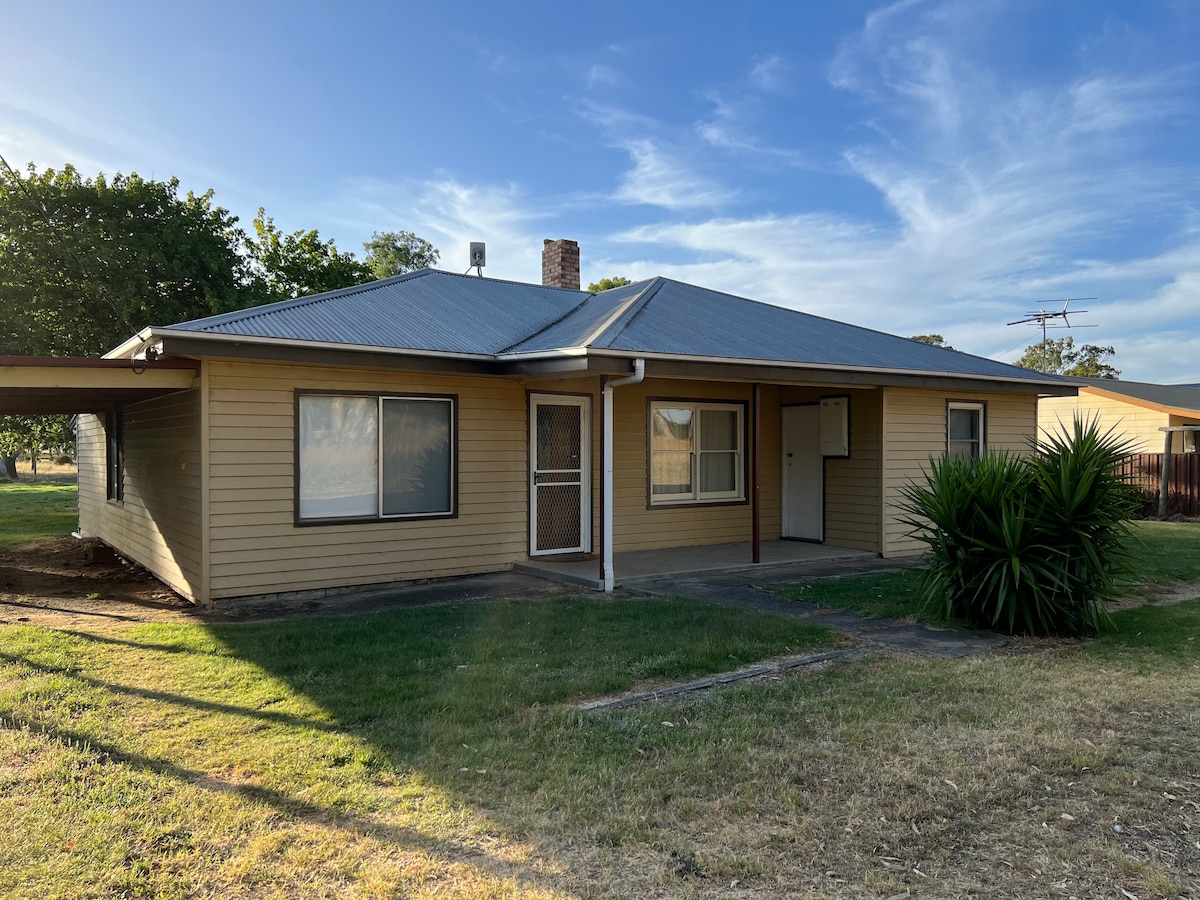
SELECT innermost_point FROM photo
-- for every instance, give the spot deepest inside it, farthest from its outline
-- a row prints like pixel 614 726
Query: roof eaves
pixel 1049 381
pixel 220 337
pixel 1134 400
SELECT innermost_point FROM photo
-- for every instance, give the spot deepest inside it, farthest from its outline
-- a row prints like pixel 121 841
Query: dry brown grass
pixel 47 471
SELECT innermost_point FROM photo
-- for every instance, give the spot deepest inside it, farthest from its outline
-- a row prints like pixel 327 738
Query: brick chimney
pixel 560 264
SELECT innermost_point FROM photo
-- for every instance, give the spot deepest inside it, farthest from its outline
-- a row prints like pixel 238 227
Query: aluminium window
pixel 114 456
pixel 696 452
pixel 964 429
pixel 374 457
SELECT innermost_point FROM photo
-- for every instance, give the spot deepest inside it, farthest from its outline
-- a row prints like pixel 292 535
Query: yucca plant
pixel 1025 544
pixel 1085 512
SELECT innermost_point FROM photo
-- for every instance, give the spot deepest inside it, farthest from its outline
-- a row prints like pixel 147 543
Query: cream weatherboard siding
pixel 158 524
pixel 852 498
pixel 255 545
pixel 1134 423
pixel 1131 421
pixel 914 429
pixel 635 525
pixel 210 477
pixel 852 486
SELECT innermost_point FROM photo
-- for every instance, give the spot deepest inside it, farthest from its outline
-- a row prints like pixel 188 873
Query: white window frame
pixel 978 442
pixel 379 514
pixel 697 496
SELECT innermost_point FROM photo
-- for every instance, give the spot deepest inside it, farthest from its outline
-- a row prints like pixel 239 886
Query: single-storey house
pixel 436 424
pixel 1135 410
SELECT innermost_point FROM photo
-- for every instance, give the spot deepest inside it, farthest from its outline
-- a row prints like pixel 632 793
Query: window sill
pixel 373 520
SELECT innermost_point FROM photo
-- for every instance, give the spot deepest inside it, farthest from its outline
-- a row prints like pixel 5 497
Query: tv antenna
pixel 1044 317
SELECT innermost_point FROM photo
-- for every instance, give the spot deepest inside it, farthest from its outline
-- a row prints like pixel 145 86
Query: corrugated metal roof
pixel 424 310
pixel 662 316
pixel 436 311
pixel 1176 396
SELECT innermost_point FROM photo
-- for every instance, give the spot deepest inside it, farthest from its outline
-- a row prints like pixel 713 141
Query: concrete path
pixel 748 590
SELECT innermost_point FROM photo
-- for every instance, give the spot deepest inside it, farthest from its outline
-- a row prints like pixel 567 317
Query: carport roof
pixel 34 385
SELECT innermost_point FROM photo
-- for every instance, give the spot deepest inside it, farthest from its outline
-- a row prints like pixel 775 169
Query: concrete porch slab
pixel 635 566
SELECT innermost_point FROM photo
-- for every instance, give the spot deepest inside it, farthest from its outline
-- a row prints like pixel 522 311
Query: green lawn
pixel 433 752
pixel 1163 553
pixel 170 759
pixel 37 510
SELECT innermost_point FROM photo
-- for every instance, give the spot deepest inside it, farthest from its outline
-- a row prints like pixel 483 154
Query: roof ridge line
pixel 621 310
pixel 645 297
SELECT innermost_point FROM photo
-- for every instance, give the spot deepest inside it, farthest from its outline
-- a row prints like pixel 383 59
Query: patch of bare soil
pixel 1158 595
pixel 51 583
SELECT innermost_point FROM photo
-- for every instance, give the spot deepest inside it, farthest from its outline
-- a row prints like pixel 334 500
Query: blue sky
pixel 915 167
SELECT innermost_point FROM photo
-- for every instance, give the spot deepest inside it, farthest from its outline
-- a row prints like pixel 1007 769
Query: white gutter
pixel 606 501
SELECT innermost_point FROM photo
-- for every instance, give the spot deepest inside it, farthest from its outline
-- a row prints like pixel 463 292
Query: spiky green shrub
pixel 1025 544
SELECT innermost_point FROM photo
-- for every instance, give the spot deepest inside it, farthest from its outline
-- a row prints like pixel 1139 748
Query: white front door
pixel 560 469
pixel 803 474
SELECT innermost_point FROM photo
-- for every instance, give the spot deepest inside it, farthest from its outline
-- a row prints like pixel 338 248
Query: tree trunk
pixel 8 465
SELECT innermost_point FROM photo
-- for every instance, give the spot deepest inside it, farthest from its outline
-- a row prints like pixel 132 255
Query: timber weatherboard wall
pixel 914 429
pixel 852 485
pixel 254 543
pixel 635 525
pixel 158 523
pixel 1132 421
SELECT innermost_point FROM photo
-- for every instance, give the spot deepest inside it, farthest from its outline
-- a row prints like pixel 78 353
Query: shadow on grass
pixel 352 825
pixel 465 698
pixel 168 697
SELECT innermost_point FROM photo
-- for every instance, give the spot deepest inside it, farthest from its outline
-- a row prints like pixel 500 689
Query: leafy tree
pixel 396 252
pixel 605 284
pixel 292 265
pixel 31 435
pixel 935 340
pixel 87 262
pixel 1061 357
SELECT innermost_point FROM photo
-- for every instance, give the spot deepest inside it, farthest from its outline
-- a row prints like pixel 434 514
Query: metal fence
pixel 1183 482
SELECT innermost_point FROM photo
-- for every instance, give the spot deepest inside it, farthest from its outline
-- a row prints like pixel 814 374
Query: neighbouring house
pixel 1134 410
pixel 435 424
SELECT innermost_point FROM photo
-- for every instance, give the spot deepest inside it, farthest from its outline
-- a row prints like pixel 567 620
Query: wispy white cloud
pixel 999 195
pixel 450 214
pixel 726 129
pixel 768 74
pixel 660 178
pixel 599 75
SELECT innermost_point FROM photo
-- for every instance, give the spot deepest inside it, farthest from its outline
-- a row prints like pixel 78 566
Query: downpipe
pixel 606 525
